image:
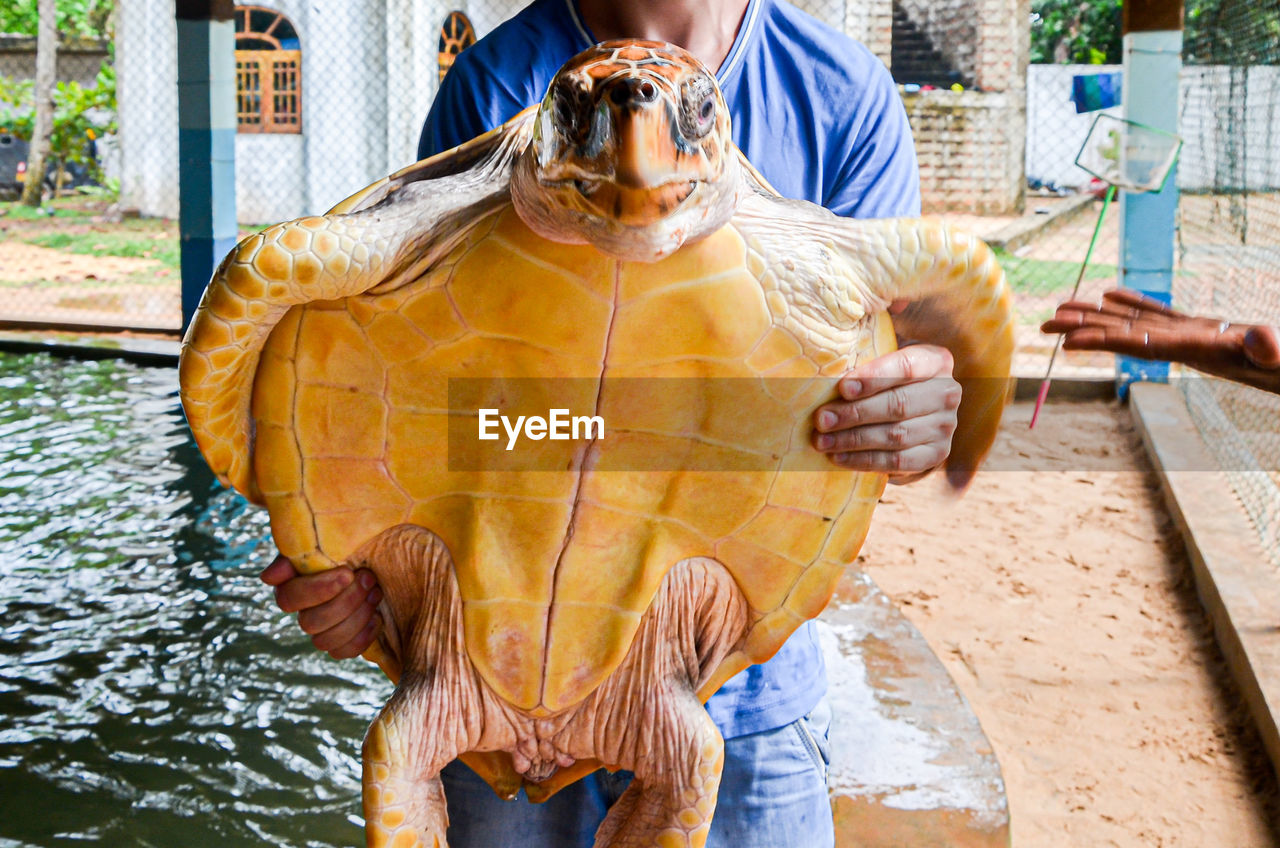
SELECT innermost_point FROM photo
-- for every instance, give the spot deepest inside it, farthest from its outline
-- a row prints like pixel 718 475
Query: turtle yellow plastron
pixel 546 618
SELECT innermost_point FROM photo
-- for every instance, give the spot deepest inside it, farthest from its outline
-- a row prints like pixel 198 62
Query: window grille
pixel 268 72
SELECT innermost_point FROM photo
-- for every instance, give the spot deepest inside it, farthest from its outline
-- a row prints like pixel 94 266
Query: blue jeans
pixel 773 794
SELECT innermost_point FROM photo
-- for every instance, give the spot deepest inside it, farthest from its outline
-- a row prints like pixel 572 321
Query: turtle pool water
pixel 545 618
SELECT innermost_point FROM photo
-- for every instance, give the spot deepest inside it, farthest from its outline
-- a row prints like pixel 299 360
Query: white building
pixel 356 78
pixel 349 91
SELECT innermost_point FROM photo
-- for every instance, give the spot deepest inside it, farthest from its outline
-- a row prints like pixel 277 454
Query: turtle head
pixel 631 152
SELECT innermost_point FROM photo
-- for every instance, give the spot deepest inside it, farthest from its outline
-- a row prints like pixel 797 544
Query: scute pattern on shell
pixel 356 438
pixel 580 609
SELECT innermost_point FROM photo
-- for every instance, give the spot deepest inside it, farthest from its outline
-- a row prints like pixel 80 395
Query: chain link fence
pixel 332 95
pixel 1228 246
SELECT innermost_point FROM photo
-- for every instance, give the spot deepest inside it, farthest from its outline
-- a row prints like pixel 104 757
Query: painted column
pixel 206 142
pixel 1152 66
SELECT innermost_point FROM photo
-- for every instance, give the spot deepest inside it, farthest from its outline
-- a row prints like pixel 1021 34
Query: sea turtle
pixel 574 610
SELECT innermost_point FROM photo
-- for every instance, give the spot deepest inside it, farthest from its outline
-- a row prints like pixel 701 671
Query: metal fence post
pixel 1152 68
pixel 206 142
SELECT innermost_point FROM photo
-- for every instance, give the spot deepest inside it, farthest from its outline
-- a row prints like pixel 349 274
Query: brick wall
pixel 986 40
pixel 972 144
pixel 871 23
pixel 971 147
pixel 868 21
pixel 952 26
pixel 79 61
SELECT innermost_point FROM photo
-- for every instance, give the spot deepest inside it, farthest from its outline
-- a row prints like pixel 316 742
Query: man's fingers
pixel 933 429
pixel 342 634
pixel 1137 300
pixel 1116 340
pixel 332 613
pixel 337 607
pixel 360 643
pixel 280 570
pixel 312 590
pixel 1122 308
pixel 1197 347
pixel 910 364
pixel 1067 319
pixel 909 461
pixel 903 402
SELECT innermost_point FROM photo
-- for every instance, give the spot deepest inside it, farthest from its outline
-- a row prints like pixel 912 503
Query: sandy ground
pixel 21 262
pixel 1060 599
pixel 42 284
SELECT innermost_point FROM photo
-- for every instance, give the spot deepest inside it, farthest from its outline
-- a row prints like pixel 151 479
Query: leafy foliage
pixel 1232 32
pixel 80 115
pixel 1085 32
pixel 76 18
pixel 1218 32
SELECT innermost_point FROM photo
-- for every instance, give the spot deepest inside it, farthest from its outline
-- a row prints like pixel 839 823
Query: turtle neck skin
pixel 706 28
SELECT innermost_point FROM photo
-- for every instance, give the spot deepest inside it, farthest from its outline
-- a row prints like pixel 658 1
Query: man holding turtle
pixel 821 119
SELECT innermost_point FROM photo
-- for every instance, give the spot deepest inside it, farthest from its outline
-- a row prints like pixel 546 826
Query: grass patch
pixel 1047 276
pixel 20 212
pixel 123 241
pixel 73 205
pixel 137 278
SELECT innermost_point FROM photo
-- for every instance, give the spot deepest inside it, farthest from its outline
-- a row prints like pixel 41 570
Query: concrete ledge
pixel 910 764
pixel 1030 227
pixel 1238 587
pixel 145 351
pixel 1066 388
pixel 37 323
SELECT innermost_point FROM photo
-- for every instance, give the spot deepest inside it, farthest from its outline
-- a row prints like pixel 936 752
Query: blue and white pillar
pixel 206 142
pixel 1152 67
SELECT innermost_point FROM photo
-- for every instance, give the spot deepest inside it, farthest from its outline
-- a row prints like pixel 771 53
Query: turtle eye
pixel 571 109
pixel 697 108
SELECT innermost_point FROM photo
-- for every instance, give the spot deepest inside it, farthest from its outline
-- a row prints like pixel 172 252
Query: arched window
pixel 456 35
pixel 268 72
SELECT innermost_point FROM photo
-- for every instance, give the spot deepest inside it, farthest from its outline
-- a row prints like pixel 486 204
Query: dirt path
pixel 40 284
pixel 1061 602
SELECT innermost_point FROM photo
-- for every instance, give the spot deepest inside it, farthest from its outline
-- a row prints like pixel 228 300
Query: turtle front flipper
pixel 383 236
pixel 834 273
pixel 959 299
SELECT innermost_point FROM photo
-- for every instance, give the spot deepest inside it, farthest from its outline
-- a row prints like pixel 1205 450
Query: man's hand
pixel 897 414
pixel 1130 323
pixel 336 608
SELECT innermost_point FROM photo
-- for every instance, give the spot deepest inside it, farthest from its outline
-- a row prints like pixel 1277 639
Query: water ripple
pixel 152 695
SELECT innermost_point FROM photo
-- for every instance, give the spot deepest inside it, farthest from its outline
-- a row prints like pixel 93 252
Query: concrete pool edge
pixel 1240 598
pixel 910 762
pixel 141 350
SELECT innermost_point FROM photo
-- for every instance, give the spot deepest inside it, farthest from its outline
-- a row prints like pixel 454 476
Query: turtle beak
pixel 642 133
pixel 646 179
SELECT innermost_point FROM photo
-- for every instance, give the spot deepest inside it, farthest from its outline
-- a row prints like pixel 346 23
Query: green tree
pixel 80 114
pixel 76 18
pixel 1217 32
pixel 40 145
pixel 1085 32
pixel 1232 32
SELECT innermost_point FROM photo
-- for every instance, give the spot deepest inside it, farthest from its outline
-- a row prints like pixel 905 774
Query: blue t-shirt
pixel 816 113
